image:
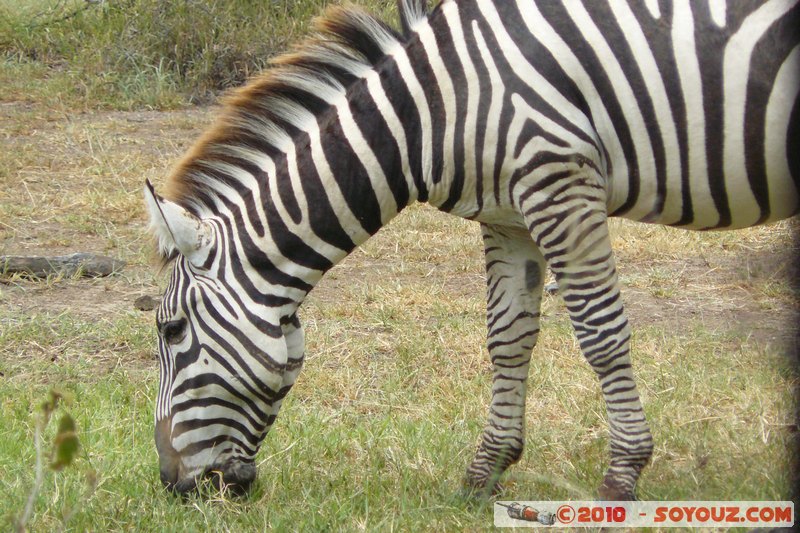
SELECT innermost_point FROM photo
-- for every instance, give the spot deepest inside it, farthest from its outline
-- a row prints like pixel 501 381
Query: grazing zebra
pixel 539 120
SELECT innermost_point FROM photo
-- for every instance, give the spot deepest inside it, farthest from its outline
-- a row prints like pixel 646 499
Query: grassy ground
pixel 387 412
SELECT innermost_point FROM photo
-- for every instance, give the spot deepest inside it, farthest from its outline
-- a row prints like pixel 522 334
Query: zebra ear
pixel 176 229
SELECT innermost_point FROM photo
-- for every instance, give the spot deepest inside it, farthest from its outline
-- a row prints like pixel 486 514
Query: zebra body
pixel 537 119
pixel 633 107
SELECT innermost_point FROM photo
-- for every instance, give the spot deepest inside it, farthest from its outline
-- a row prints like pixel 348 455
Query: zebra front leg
pixel 574 238
pixel 514 276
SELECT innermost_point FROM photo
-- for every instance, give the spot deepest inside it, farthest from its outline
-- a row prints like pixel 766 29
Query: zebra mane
pixel 260 118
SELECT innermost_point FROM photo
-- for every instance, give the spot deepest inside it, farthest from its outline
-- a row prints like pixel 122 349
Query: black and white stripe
pixel 537 119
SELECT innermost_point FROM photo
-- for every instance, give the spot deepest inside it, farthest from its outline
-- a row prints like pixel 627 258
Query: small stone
pixel 146 303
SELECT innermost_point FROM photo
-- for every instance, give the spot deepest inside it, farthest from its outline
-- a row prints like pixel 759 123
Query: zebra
pixel 538 120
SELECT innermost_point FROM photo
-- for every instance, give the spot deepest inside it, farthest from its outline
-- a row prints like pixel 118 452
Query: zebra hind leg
pixel 578 250
pixel 515 272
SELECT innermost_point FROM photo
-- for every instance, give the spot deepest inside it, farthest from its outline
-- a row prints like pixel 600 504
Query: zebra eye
pixel 173 331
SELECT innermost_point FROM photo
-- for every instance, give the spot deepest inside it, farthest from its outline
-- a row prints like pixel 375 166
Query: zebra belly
pixel 501 217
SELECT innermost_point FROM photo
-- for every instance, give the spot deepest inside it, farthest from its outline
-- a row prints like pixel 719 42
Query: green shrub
pixel 150 53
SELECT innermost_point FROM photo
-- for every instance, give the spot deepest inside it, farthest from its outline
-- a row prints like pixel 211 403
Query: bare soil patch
pixel 72 183
pixel 723 294
pixel 86 299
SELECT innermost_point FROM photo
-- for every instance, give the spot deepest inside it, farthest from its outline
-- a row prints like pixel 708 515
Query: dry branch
pixel 85 264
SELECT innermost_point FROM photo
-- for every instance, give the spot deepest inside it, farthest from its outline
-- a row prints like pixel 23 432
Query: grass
pixel 386 414
pixel 359 445
pixel 142 53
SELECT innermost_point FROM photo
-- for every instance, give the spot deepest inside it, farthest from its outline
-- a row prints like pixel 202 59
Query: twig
pixel 281 452
pixel 38 480
pixel 52 9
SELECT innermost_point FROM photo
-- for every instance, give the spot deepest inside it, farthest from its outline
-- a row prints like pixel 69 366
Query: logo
pixel 754 514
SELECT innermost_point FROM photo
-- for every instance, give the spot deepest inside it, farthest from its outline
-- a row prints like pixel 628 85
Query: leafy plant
pixel 61 453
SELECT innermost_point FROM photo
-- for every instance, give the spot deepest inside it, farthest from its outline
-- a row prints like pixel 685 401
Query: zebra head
pixel 223 370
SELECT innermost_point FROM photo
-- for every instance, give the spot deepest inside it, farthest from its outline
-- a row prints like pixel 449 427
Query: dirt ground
pixel 49 174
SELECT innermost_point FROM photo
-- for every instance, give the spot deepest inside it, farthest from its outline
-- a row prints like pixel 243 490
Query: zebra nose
pixel 168 459
pixel 184 486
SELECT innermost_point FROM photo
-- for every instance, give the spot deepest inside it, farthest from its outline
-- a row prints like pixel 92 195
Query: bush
pixel 132 53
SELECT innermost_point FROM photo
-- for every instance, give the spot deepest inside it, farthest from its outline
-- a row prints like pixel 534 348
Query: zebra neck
pixel 339 184
pixel 368 155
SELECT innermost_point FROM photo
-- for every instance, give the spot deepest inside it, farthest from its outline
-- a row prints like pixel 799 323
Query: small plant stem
pixel 37 484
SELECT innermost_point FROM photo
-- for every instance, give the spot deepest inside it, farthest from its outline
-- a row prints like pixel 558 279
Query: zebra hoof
pixel 610 491
pixel 481 489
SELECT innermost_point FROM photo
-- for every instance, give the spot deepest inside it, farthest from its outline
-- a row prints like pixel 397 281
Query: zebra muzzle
pixel 234 477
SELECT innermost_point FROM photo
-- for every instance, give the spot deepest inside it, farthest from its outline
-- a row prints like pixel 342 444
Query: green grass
pixel 385 416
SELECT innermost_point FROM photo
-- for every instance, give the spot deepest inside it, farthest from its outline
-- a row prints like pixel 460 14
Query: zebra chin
pixel 234 477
